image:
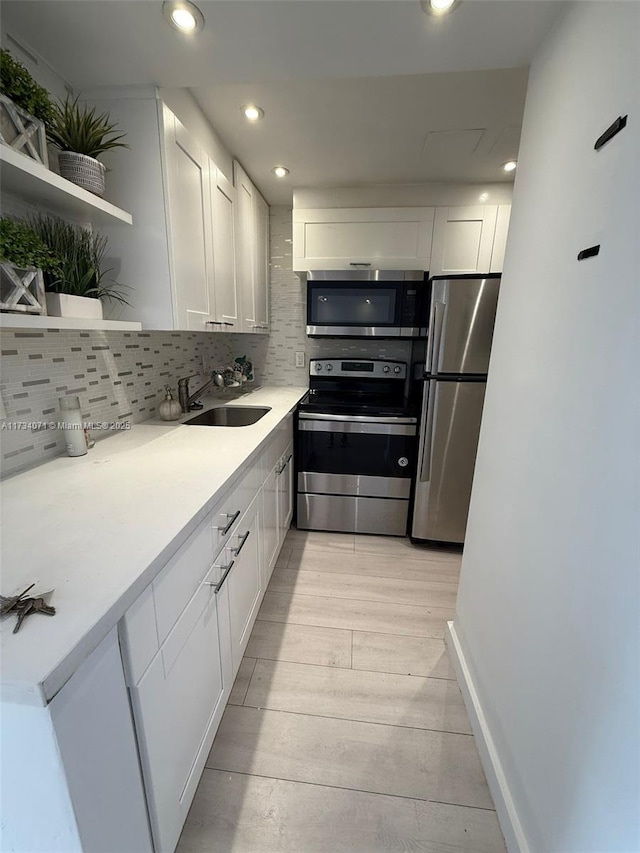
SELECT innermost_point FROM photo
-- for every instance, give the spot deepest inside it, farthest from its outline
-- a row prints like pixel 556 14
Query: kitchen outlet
pixel 300 359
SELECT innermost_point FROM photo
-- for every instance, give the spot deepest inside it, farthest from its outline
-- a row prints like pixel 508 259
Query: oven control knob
pixel 386 368
pixel 318 366
pixel 396 369
pixel 329 367
pixel 403 462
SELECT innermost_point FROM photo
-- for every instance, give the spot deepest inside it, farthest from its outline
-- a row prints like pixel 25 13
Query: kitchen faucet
pixel 189 402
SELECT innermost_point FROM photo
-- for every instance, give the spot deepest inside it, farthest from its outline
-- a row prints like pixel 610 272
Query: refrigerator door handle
pixel 426 430
pixel 435 334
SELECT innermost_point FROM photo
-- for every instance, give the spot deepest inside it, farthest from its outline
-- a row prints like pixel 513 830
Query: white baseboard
pixel 505 807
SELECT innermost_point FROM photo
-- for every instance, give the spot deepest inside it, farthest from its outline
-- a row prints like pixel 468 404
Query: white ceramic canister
pixel 73 430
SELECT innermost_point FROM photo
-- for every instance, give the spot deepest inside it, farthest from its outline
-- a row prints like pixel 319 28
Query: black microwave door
pixel 349 304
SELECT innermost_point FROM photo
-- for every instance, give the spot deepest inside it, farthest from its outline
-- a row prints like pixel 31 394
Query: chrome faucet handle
pixel 184 382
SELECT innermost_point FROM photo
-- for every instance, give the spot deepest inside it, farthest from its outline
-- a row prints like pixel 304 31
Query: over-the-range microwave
pixel 367 303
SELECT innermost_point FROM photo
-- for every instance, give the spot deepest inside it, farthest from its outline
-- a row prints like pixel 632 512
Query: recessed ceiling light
pixel 251 112
pixel 510 165
pixel 183 15
pixel 483 196
pixel 439 7
pixel 280 171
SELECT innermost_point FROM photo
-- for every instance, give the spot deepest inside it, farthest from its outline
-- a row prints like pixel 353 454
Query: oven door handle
pixel 375 428
pixel 359 419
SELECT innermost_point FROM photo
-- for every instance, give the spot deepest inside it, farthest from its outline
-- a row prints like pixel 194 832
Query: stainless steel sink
pixel 229 416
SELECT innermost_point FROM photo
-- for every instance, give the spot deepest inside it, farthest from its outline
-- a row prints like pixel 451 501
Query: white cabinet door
pixel 223 196
pixel 353 238
pixel 261 275
pixel 176 706
pixel 285 493
pixel 463 240
pixel 245 581
pixel 270 527
pixel 245 247
pixel 500 239
pixel 189 223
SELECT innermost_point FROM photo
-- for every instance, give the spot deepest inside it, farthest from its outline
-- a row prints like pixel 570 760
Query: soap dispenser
pixel 169 409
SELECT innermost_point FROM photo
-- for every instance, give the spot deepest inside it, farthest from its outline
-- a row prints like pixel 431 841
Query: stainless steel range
pixel 356 447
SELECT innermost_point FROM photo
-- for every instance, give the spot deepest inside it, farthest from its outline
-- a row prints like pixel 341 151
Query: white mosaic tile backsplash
pixel 118 376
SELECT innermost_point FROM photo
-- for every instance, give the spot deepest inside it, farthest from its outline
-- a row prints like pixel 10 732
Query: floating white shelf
pixel 35 321
pixel 33 182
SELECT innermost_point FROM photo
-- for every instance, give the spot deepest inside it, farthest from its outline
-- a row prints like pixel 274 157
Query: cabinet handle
pixel 243 539
pixel 225 323
pixel 218 585
pixel 232 518
pixel 359 264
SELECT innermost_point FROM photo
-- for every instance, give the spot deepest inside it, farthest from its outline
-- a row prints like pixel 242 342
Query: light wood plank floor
pixel 346 730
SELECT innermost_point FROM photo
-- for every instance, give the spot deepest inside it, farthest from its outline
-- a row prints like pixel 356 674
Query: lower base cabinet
pixel 177 705
pixel 244 582
pixel 285 493
pixel 180 675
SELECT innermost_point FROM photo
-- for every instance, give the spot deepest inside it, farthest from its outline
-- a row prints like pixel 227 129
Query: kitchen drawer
pixel 139 636
pixel 179 579
pixel 228 512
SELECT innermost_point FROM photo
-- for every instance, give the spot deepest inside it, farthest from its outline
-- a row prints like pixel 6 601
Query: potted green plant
pixel 82 135
pixel 81 281
pixel 25 110
pixel 24 258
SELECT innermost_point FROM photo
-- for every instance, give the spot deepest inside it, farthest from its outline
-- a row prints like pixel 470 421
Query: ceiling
pixel 354 91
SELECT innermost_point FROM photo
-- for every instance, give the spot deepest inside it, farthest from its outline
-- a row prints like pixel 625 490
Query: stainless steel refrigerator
pixel 462 316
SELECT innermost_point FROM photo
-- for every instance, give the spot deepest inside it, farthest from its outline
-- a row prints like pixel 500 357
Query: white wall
pixel 549 604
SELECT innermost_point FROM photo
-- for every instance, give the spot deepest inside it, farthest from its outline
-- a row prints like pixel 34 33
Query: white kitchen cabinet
pixel 261 275
pixel 72 780
pixel 285 493
pixel 500 239
pixel 223 197
pixel 244 581
pixel 270 528
pixel 195 256
pixel 361 238
pixel 189 226
pixel 245 245
pixel 252 242
pixel 463 239
pixel 177 704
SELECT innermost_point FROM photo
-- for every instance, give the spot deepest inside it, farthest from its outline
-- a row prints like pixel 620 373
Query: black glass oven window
pixel 353 306
pixel 356 453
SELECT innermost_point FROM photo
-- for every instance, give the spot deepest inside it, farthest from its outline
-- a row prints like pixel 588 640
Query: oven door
pixel 356 454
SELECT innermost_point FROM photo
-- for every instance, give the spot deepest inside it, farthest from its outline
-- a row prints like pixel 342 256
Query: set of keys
pixel 23 605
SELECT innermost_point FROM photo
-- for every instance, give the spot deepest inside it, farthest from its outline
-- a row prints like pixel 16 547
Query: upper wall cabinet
pixel 252 253
pixel 189 227
pixel 357 238
pixel 183 256
pixel 224 251
pixel 500 240
pixel 463 240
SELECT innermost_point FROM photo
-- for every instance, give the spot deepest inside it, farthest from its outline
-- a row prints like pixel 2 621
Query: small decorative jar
pixel 170 409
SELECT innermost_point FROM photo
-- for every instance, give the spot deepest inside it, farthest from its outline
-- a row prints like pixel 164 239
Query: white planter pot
pixel 85 172
pixel 66 305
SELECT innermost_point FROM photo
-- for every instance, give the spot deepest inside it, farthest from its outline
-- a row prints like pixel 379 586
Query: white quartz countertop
pixel 98 528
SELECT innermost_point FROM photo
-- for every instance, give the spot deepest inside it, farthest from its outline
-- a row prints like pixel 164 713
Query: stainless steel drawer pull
pixel 229 525
pixel 243 539
pixel 218 584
